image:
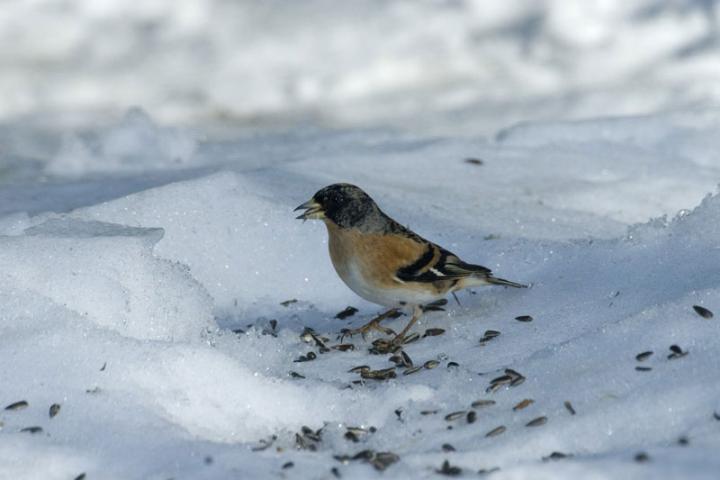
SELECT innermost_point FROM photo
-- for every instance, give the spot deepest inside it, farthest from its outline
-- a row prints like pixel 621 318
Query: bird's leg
pixel 373 324
pixel 417 312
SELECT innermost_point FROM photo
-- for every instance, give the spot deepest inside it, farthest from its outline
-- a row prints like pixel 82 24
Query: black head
pixel 342 203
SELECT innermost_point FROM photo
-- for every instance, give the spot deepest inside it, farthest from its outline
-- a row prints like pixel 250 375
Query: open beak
pixel 312 210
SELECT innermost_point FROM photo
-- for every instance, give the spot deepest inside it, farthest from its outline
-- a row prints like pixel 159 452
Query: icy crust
pixel 107 274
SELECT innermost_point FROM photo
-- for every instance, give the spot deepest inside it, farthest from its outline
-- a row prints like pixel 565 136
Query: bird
pixel 386 263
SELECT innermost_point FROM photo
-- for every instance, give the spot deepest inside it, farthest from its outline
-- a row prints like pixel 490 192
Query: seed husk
pixel 287 465
pixel 32 429
pixel 54 409
pixel 569 407
pixel 643 369
pixel 428 412
pixel 641 357
pixel 524 318
pixel 413 337
pixel 264 444
pixel 17 405
pixel 348 312
pixel 488 471
pixel 344 347
pixel 382 374
pixel 642 457
pixel 556 456
pixel 288 302
pixel 453 365
pixel 496 431
pixel 411 370
pixel 407 361
pixel 702 311
pixel 523 404
pixel 358 369
pixel 335 472
pixel 382 460
pixel 683 441
pixel 517 381
pixel 716 416
pixel 433 332
pixel 455 415
pixel 536 422
pixel 449 470
pixel 80 477
pixel 677 352
pixel 474 161
pixel 296 375
pixel 482 403
pixel 446 447
pixel 501 379
pixel 471 416
pixel 430 364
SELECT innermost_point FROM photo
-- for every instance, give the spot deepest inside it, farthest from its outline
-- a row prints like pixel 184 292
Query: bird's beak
pixel 312 209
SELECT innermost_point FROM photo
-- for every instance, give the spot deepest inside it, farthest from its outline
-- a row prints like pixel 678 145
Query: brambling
pixel 386 263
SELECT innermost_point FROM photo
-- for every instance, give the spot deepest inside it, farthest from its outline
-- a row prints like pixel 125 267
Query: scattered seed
pixel 474 161
pixel 524 318
pixel 344 347
pixel 716 416
pixel 411 370
pixel 287 465
pixel 413 337
pixel 430 364
pixel 502 379
pixel 335 472
pixel 449 470
pixel 102 369
pixel 32 429
pixel 517 381
pixel 523 404
pixel 208 460
pixel 683 441
pixel 264 444
pixel 454 415
pixel 348 312
pixel 556 456
pixel 496 431
pixel 306 358
pixel 288 302
pixel 641 357
pixel 642 457
pixel 447 447
pixel 17 405
pixel 453 365
pixel 482 403
pixel 93 391
pixel 643 369
pixel 358 369
pixel 677 352
pixel 428 412
pixel 536 422
pixel 471 416
pixel 433 332
pixel 488 335
pixel 493 387
pixel 569 407
pixel 488 471
pixel 382 374
pixel 296 375
pixel 54 409
pixel 407 361
pixel 702 311
pixel 80 477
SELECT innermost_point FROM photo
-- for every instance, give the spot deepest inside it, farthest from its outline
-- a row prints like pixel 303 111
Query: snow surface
pixel 120 304
pixel 155 284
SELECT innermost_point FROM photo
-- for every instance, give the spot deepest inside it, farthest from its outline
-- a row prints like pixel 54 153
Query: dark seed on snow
pixel 642 457
pixel 501 379
pixel 296 375
pixel 453 365
pixel 454 415
pixel 643 369
pixel 411 370
pixel 683 441
pixel 523 404
pixel 335 472
pixel 556 456
pixel 430 364
pixel 344 347
pixel 716 416
pixel 536 422
pixel 488 471
pixel 449 470
pixel 287 465
pixel 524 318
pixel 496 431
pixel 80 477
pixel 447 447
pixel 471 416
pixel 288 302
pixel 406 359
pixel 17 405
pixel 428 412
pixel 348 312
pixel 641 357
pixel 702 311
pixel 32 429
pixel 358 369
pixel 474 161
pixel 677 352
pixel 54 409
pixel 517 381
pixel 414 337
pixel 433 332
pixel 569 407
pixel 482 403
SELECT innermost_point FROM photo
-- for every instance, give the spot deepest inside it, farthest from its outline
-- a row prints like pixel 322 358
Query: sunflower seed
pixel 474 161
pixel 264 444
pixel 273 324
pixel 17 405
pixel 428 412
pixel 407 361
pixel 556 456
pixel 453 365
pixel 413 337
pixel 482 403
pixel 471 416
pixel 683 441
pixel 32 429
pixel 641 357
pixel 358 369
pixel 433 332
pixel 411 370
pixel 488 471
pixel 536 422
pixel 501 379
pixel 454 415
pixel 702 311
pixel 449 470
pixel 677 352
pixel 524 318
pixel 569 407
pixel 288 302
pixel 54 409
pixel 517 381
pixel 642 457
pixel 335 472
pixel 344 347
pixel 306 358
pixel 716 416
pixel 430 364
pixel 382 374
pixel 295 375
pixel 382 460
pixel 643 369
pixel 80 477
pixel 102 369
pixel 348 312
pixel 496 431
pixel 446 447
pixel 287 465
pixel 493 387
pixel 523 404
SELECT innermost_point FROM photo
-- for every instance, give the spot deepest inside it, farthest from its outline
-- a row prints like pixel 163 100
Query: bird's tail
pixel 501 281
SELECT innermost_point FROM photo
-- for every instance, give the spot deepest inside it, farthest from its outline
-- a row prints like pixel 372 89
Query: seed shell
pixel 702 311
pixel 536 422
pixel 496 431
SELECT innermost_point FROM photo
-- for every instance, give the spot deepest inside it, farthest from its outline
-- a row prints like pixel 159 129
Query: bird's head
pixel 341 203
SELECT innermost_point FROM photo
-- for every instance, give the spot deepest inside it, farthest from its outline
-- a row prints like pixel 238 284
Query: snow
pixel 156 285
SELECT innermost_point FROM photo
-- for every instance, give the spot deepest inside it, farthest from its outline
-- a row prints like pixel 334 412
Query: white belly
pixel 389 297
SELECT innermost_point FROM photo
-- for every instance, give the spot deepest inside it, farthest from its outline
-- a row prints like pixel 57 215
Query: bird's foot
pixel 373 324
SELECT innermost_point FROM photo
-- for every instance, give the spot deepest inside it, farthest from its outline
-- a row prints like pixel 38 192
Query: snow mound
pixel 134 143
pixel 107 274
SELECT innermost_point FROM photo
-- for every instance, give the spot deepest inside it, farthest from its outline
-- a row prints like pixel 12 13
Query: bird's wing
pixel 437 264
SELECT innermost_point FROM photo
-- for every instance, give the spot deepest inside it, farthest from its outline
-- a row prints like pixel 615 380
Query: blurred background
pixel 451 67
